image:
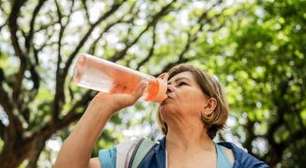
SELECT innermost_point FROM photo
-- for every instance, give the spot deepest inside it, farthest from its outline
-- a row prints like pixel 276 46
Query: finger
pixel 140 89
pixel 164 76
pixel 100 95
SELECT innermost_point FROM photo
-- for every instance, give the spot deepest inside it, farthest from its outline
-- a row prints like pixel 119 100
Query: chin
pixel 166 108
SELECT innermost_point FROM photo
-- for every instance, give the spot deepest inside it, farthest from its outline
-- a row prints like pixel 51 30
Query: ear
pixel 210 106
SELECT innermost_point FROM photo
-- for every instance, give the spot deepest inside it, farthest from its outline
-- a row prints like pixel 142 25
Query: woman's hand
pixel 116 101
pixel 164 76
pixel 76 149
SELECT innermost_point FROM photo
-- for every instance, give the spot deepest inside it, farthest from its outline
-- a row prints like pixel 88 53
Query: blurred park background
pixel 255 48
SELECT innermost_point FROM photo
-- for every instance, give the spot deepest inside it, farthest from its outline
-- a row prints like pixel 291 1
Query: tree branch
pixel 44 27
pixel 72 116
pixel 4 24
pixel 9 133
pixel 15 127
pixel 277 149
pixel 39 146
pixel 59 96
pixel 113 9
pixel 62 77
pixel 191 38
pixel 151 51
pixel 13 28
pixel 24 60
pixel 86 11
pixel 250 135
pixel 4 13
pixel 6 102
pixel 281 108
pixel 39 49
pixel 29 37
pixel 119 55
pixel 92 47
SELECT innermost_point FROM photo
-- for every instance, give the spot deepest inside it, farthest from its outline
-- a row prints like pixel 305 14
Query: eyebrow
pixel 180 78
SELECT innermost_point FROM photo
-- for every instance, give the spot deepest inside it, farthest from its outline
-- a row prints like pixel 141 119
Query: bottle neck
pixel 156 90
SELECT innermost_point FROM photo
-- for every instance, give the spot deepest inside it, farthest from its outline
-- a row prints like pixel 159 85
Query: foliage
pixel 256 48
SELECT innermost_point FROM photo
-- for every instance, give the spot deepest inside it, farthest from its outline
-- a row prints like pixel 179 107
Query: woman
pixel 190 117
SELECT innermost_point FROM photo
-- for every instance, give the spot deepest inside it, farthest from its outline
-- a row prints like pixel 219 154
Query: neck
pixel 188 136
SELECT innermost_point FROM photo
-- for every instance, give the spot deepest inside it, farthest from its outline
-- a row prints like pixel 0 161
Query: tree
pixel 40 39
pixel 262 61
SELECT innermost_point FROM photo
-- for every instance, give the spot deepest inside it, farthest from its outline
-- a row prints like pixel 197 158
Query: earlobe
pixel 207 113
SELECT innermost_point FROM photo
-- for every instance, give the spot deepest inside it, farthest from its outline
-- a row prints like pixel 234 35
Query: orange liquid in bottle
pixel 102 75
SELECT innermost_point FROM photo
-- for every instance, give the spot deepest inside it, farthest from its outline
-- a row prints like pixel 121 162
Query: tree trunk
pixel 11 158
pixel 275 155
pixel 27 149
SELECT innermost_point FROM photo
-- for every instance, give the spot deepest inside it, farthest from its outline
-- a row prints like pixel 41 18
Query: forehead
pixel 186 75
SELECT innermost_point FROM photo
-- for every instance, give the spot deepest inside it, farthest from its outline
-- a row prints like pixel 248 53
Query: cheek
pixel 191 102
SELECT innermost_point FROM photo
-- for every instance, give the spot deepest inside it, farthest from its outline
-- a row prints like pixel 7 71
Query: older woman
pixel 190 117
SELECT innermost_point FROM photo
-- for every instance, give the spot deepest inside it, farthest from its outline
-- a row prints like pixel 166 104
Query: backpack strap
pixel 142 148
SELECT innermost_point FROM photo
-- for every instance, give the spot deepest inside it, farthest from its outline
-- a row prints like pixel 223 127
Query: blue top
pixel 222 160
pixel 108 158
pixel 156 157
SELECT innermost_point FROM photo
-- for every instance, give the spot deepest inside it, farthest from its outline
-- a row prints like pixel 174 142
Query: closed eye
pixel 181 84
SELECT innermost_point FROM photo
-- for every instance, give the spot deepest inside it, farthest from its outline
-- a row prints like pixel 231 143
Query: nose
pixel 170 88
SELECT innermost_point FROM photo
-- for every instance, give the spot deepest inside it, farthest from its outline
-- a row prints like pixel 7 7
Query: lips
pixel 169 97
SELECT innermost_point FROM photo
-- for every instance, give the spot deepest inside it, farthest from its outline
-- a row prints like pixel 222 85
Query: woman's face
pixel 185 98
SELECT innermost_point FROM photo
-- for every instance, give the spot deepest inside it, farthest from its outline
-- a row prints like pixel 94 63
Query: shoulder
pixel 118 155
pixel 243 158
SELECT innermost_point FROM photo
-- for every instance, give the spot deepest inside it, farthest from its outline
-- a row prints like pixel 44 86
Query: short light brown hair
pixel 211 87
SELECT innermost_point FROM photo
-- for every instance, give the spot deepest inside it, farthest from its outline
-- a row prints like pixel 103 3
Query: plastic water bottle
pixel 102 75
